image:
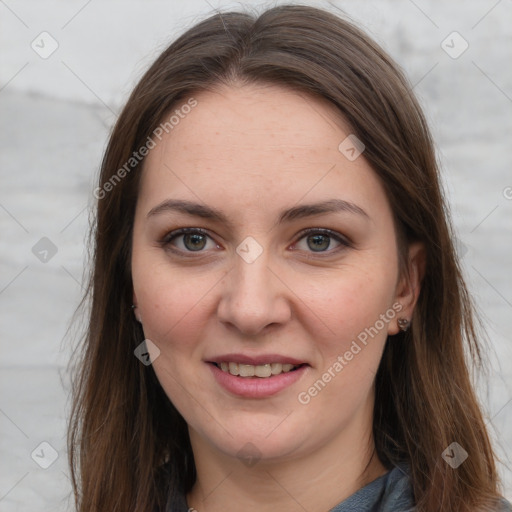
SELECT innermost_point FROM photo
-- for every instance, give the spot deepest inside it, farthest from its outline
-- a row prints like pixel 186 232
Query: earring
pixel 137 317
pixel 403 323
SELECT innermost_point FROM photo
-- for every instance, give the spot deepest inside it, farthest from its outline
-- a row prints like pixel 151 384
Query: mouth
pixel 260 380
pixel 262 371
pixel 256 376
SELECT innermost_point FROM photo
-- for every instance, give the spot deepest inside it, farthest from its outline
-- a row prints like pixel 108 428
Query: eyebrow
pixel 291 214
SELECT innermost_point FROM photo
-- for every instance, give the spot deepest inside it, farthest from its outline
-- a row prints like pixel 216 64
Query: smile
pixel 256 380
pixel 261 370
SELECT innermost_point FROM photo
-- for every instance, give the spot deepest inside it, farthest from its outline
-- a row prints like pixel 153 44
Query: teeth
pixel 246 370
pixel 276 368
pixel 263 370
pixel 260 370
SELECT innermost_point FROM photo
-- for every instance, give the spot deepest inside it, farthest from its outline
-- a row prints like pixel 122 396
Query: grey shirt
pixel 391 492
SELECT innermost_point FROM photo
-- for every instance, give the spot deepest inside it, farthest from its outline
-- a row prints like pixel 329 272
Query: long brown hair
pixel 123 430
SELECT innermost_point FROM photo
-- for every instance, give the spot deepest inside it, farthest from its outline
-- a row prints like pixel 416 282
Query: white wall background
pixel 55 114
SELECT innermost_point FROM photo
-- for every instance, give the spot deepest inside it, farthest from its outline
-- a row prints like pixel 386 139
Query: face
pixel 262 280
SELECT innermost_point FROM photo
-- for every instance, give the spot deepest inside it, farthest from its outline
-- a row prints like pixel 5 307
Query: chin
pixel 251 441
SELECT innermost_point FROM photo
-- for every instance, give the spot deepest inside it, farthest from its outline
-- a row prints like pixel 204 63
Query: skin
pixel 253 151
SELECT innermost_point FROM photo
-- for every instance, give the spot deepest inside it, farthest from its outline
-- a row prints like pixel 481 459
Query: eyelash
pixel 345 242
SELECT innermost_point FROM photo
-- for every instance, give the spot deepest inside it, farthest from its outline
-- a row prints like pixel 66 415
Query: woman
pixel 278 319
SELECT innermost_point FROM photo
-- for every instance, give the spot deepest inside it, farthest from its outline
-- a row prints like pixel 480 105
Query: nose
pixel 254 299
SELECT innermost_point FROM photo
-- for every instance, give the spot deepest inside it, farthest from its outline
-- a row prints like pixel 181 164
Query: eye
pixel 320 240
pixel 190 240
pixel 187 240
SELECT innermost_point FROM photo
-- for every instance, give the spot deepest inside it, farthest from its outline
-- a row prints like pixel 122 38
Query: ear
pixel 136 308
pixel 409 284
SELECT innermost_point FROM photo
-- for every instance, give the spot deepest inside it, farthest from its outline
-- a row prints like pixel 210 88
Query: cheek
pixel 347 303
pixel 357 312
pixel 172 301
pixel 353 313
pixel 173 306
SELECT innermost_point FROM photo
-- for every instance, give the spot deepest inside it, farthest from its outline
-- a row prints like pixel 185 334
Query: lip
pixel 254 360
pixel 256 387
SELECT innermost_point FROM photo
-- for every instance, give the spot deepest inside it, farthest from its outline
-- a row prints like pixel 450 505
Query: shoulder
pixel 505 506
pixel 391 492
pixel 398 493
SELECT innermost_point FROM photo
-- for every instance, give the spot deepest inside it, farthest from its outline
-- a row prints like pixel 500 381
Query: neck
pixel 315 481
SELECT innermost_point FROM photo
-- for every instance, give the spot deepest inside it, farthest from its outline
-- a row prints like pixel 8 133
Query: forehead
pixel 237 121
pixel 252 146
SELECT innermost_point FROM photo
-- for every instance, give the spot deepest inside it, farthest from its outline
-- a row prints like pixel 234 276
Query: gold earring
pixel 403 323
